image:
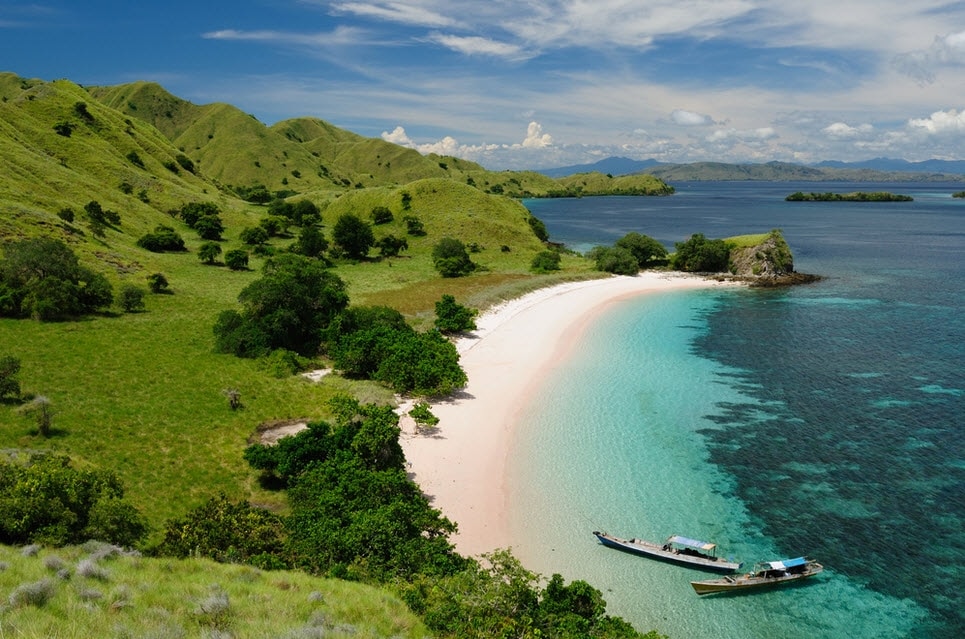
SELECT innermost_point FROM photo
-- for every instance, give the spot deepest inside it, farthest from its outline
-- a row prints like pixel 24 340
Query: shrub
pixel 422 415
pixel 135 159
pixel 37 594
pixel 414 226
pixel 236 259
pixel 209 252
pixel 353 236
pixel 157 283
pixel 209 227
pixel 131 298
pixel 614 260
pixel 164 238
pixel 253 235
pixel 66 214
pixel 545 261
pixel 9 384
pixel 646 250
pixel 698 254
pixel 391 246
pixel 452 317
pixel 381 215
pixel 450 258
pixel 64 128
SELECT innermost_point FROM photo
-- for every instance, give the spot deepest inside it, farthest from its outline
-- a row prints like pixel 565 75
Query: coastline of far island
pixel 856 196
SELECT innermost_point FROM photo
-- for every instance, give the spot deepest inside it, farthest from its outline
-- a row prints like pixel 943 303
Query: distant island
pixel 856 196
pixel 959 194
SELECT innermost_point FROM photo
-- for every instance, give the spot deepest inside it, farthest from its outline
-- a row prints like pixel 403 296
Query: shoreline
pixel 461 463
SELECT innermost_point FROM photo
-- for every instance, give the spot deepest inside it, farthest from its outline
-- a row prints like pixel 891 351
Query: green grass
pixel 93 591
pixel 745 241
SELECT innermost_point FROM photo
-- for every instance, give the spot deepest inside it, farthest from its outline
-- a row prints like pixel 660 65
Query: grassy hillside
pixel 96 591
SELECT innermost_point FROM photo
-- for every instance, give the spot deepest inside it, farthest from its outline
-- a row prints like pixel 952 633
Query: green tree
pixel 414 226
pixel 226 531
pixel 157 283
pixel 45 500
pixel 236 259
pixel 305 213
pixel 545 261
pixel 698 254
pixel 191 212
pixel 353 236
pixel 164 238
pixel 288 307
pixel 454 318
pixel 381 215
pixel 539 228
pixel 646 250
pixel 42 278
pixel 209 227
pixel 9 384
pixel 253 235
pixel 131 298
pixel 391 246
pixel 209 252
pixel 311 242
pixel 450 258
pixel 614 259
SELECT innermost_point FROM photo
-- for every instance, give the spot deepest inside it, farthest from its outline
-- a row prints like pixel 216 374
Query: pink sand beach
pixel 461 463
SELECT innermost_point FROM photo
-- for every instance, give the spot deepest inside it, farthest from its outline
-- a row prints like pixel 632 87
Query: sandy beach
pixel 461 463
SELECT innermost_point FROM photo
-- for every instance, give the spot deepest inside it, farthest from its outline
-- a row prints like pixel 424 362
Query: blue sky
pixel 540 83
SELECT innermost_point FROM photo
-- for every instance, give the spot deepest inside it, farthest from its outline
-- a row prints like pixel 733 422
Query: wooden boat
pixel 677 549
pixel 765 573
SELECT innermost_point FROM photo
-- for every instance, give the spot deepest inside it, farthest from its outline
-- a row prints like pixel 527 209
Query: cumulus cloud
pixel 535 138
pixel 690 118
pixel 844 130
pixel 940 122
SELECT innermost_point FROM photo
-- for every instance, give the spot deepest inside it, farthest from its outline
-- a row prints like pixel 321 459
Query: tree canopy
pixel 701 255
pixel 646 250
pixel 42 278
pixel 288 307
pixel 353 235
pixel 450 258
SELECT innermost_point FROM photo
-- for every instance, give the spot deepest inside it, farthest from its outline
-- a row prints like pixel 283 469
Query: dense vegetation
pixel 857 196
pixel 960 194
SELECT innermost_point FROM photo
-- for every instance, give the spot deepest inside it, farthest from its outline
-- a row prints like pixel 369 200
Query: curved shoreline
pixel 461 464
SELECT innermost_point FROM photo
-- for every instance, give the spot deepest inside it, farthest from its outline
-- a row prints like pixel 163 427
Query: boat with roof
pixel 677 549
pixel 765 573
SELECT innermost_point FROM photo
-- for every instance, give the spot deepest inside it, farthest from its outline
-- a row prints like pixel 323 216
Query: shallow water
pixel 823 420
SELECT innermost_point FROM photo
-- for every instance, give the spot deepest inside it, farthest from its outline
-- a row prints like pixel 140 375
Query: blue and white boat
pixel 677 549
pixel 765 573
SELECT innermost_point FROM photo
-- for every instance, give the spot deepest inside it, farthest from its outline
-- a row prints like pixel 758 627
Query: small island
pixel 857 196
pixel 960 194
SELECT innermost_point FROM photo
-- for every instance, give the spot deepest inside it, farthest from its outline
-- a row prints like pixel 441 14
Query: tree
pixel 539 228
pixel 209 252
pixel 646 250
pixel 288 307
pixel 253 235
pixel 131 298
pixel 450 258
pixel 191 212
pixel 9 384
pixel 311 242
pixel 164 238
pixel 414 226
pixel 236 259
pixel 157 283
pixel 305 213
pixel 39 408
pixel 225 531
pixel 209 227
pixel 614 259
pixel 42 278
pixel 545 261
pixel 391 246
pixel 45 500
pixel 452 317
pixel 381 215
pixel 698 254
pixel 353 236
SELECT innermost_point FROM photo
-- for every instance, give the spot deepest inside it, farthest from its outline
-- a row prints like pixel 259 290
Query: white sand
pixel 461 464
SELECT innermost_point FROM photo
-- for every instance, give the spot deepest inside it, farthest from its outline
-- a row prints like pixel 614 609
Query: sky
pixel 531 84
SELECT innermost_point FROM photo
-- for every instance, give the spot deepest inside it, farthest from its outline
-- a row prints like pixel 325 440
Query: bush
pixel 700 255
pixel 164 238
pixel 236 259
pixel 191 212
pixel 414 226
pixel 646 250
pixel 253 235
pixel 209 227
pixel 451 259
pixel 391 246
pixel 422 415
pixel 353 236
pixel 9 384
pixel 381 215
pixel 452 317
pixel 545 262
pixel 131 298
pixel 614 260
pixel 37 594
pixel 209 252
pixel 157 283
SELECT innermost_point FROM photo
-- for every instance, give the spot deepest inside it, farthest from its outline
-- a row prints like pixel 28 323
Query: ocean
pixel 824 420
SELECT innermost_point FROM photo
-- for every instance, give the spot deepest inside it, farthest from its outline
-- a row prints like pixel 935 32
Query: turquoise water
pixel 823 420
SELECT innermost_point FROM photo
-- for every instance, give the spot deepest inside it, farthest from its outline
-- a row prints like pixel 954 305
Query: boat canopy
pixel 784 564
pixel 692 543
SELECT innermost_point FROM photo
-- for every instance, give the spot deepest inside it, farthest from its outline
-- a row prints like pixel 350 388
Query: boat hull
pixel 750 582
pixel 656 551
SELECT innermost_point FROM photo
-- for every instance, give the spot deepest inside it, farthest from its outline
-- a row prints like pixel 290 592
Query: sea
pixel 824 420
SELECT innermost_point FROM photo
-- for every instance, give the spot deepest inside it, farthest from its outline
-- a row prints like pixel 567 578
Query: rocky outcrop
pixel 769 263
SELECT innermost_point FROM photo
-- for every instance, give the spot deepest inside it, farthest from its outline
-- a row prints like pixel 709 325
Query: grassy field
pixel 97 591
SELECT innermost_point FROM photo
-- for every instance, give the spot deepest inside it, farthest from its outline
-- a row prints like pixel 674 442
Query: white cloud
pixel 722 135
pixel 400 12
pixel 475 45
pixel 843 130
pixel 690 118
pixel 940 122
pixel 946 50
pixel 535 138
pixel 398 136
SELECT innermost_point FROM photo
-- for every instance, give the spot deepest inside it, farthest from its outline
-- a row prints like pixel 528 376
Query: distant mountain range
pixel 875 170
